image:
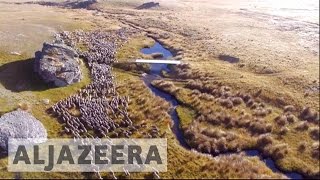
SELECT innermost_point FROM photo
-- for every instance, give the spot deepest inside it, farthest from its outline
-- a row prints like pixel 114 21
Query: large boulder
pixel 20 124
pixel 58 63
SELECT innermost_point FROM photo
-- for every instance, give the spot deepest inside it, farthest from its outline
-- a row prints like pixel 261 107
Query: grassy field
pixel 214 124
pixel 278 74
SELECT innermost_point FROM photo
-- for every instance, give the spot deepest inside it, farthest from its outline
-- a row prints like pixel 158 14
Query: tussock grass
pixel 258 125
pixel 182 163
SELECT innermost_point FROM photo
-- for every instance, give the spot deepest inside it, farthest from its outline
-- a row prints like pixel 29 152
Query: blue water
pixel 157 48
pixel 270 163
pixel 154 74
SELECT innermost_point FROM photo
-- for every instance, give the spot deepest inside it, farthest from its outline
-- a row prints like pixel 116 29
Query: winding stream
pixel 155 74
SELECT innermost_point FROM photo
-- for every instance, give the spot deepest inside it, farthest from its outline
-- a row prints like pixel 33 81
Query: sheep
pixel 95 110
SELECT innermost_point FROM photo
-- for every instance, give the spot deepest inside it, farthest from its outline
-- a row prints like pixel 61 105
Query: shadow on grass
pixel 19 76
pixel 229 59
pixel 3 154
pixel 148 5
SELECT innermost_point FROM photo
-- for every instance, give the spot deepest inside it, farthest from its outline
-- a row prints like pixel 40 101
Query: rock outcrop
pixel 19 124
pixel 58 63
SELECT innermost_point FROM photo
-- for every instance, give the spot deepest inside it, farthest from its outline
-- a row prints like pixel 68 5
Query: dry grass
pixel 26 28
pixel 229 107
pixel 181 163
pixel 246 125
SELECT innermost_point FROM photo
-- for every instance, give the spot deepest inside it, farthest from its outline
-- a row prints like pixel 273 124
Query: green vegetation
pixel 131 51
pixel 186 116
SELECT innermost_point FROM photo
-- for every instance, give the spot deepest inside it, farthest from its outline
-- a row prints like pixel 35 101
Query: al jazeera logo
pixel 87 155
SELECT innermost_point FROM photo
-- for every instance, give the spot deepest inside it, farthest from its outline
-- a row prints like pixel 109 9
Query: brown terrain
pixel 249 78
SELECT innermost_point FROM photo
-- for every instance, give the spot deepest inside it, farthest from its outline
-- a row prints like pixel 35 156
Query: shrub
pixel 192 84
pixel 258 93
pixel 291 118
pixel 269 110
pixel 184 66
pixel 269 127
pixel 225 102
pixel 243 122
pixel 221 145
pixel 242 112
pixel 289 108
pixel 226 88
pixel 260 112
pixel 216 93
pixel 230 136
pixel 227 119
pixel 262 105
pixel 257 127
pixel 226 94
pixel 279 151
pixel 213 133
pixel 254 106
pixel 249 103
pixel 281 120
pixel 302 146
pixel 246 98
pixel 236 100
pixel 314 133
pixel 302 126
pixel 309 115
pixel 195 92
pixel 283 131
pixel 231 123
pixel 207 97
pixel 264 140
pixel 166 84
